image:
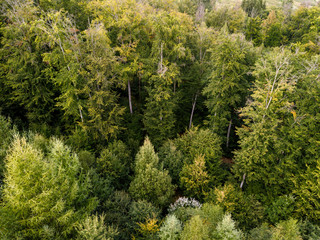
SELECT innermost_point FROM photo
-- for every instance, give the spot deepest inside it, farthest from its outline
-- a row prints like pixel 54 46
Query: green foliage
pixel 253 31
pixel 43 193
pixel 281 209
pixel 194 179
pixel 226 230
pixel 265 159
pixel 303 28
pixel 172 160
pixel 228 83
pixel 254 7
pixel 141 210
pixel 86 159
pixel 204 142
pixel 6 135
pixel 286 230
pixel 245 209
pixel 234 18
pixel 26 83
pixel 150 183
pixel 117 208
pixel 144 219
pixel 184 208
pixel 194 229
pixel 213 214
pixel 262 232
pixel 308 193
pixel 170 229
pixel 273 30
pixel 115 162
pixel 93 228
pixel 309 231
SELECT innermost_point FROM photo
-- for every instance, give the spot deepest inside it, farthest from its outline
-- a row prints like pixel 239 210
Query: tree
pixel 265 159
pixel 228 84
pixel 169 49
pixel 195 229
pixel 27 85
pixel 150 183
pixel 253 30
pixel 254 8
pixel 44 194
pixel 204 142
pixel 194 179
pixel 226 229
pixel 171 228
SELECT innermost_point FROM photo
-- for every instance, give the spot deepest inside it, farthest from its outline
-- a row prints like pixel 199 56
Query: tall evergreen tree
pixel 228 85
pixel 44 194
pixel 150 182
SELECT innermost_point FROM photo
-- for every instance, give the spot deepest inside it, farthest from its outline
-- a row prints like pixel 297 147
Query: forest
pixel 159 120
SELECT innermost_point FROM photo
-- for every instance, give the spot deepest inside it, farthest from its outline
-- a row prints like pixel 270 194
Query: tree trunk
pixel 243 178
pixel 129 94
pixel 192 111
pixel 228 134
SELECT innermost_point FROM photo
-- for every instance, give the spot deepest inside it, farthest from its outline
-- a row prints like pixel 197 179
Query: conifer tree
pixel 227 86
pixel 150 182
pixel 44 194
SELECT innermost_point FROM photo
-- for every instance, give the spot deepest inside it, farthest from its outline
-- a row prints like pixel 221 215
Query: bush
pixel 171 228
